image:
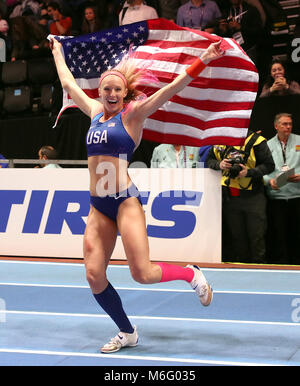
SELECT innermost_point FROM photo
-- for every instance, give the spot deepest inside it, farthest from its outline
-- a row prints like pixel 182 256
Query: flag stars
pixel 101 51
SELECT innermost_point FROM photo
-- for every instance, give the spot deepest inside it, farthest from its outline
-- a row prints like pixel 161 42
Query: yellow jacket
pixel 239 183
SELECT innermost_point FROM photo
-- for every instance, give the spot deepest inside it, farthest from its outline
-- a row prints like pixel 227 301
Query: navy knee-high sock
pixel 111 303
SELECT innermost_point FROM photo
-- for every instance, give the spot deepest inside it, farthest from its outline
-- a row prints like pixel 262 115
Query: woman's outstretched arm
pixel 144 109
pixel 86 104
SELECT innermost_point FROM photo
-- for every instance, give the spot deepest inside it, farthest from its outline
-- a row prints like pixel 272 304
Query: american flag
pixel 215 108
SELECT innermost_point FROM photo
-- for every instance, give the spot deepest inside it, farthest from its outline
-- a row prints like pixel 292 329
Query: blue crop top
pixel 109 138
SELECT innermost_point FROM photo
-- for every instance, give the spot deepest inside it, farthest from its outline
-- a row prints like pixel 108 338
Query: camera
pixel 235 158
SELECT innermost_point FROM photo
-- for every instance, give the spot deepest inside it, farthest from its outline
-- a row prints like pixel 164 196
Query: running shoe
pixel 123 339
pixel 201 286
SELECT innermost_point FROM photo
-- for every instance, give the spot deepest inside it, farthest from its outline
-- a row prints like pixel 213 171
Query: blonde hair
pixel 135 76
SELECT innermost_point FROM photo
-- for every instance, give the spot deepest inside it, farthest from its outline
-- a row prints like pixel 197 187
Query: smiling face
pixel 112 92
pixel 277 71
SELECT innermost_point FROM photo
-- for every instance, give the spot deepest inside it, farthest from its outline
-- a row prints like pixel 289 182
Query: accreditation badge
pixel 284 168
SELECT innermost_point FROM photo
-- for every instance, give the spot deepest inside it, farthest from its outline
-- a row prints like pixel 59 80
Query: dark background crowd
pixel 267 30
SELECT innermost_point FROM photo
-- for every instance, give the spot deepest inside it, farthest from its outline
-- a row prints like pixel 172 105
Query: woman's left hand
pixel 212 52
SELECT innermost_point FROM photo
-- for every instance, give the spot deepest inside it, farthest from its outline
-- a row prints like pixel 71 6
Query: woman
pixel 115 202
pixel 90 21
pixel 28 38
pixel 278 82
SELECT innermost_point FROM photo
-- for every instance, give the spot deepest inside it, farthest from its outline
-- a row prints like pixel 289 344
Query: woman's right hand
pixel 280 83
pixel 54 44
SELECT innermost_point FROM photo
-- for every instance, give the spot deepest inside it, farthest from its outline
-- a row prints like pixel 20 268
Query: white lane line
pixel 41 263
pixel 136 357
pixel 163 318
pixel 151 289
pixel 252 270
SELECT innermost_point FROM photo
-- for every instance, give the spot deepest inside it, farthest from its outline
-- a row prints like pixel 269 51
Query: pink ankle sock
pixel 175 272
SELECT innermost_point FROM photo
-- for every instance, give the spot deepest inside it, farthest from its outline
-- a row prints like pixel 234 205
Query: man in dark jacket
pixel 245 26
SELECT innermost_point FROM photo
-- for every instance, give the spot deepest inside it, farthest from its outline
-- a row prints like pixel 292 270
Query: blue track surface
pixel 50 318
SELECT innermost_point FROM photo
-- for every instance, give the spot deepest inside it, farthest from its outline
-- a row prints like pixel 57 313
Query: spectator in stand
pixel 5 48
pixel 28 39
pixel 175 156
pixel 26 8
pixel 197 14
pixel 284 200
pixel 278 82
pixel 134 11
pixel 245 25
pixel 44 19
pixel 61 25
pixel 218 26
pixel 48 153
pixel 244 203
pixel 4 27
pixel 168 8
pixel 91 22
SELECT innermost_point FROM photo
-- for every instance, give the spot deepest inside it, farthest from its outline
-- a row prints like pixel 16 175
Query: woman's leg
pixel 132 225
pixel 99 241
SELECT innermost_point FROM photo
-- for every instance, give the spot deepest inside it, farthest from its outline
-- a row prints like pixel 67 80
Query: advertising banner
pixel 43 212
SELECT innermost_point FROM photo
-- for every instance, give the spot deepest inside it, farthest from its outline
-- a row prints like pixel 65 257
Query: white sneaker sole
pixel 209 297
pixel 107 350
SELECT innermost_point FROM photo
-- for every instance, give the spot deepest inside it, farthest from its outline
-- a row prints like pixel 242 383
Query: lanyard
pixel 201 17
pixel 283 149
pixel 178 157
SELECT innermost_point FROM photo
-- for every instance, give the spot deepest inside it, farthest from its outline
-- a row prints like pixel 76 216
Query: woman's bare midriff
pixel 108 175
